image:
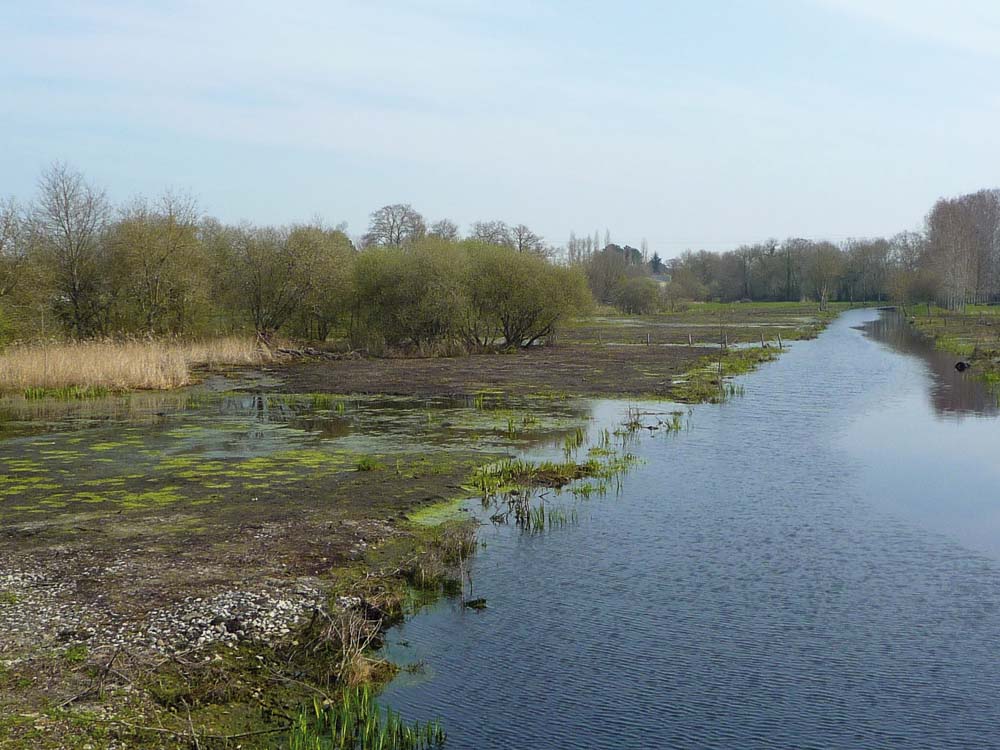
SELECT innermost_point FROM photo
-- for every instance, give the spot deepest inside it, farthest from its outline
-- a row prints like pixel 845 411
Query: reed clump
pixel 359 722
pixel 90 369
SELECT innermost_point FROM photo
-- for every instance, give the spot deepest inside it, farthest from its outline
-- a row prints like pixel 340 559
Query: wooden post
pixel 762 340
pixel 779 341
pixel 689 340
pixel 725 341
pixel 647 339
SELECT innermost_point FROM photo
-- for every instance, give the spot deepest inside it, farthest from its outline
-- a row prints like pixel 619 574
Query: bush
pixel 637 296
pixel 409 297
pixel 519 297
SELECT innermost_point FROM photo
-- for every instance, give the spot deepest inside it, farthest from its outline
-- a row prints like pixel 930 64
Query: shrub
pixel 637 296
pixel 412 296
pixel 519 297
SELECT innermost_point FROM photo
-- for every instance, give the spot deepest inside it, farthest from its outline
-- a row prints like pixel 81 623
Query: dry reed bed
pixel 119 365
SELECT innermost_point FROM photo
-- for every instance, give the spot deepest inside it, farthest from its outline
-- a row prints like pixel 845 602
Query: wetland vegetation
pixel 234 455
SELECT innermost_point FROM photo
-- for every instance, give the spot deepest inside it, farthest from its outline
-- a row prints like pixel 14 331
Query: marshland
pixel 308 503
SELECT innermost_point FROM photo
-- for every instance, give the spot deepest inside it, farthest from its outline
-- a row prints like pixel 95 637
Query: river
pixel 815 564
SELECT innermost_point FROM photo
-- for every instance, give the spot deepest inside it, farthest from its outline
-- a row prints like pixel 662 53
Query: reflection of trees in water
pixel 951 392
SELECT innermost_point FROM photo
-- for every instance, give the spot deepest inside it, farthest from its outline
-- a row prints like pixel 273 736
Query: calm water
pixel 814 565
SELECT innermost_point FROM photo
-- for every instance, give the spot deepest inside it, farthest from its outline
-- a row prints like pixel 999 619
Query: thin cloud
pixel 968 26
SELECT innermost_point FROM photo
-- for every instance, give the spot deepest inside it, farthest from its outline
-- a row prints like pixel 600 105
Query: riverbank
pixel 200 564
pixel 973 335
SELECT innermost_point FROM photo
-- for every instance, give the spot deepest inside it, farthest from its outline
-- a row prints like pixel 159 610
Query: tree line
pixel 73 264
pixel 953 261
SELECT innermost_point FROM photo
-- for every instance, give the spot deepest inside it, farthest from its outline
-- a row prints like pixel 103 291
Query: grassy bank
pixel 94 368
pixel 972 334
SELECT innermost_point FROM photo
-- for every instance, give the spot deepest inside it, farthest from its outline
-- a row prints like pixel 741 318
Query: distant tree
pixel 412 298
pixel 684 286
pixel 638 295
pixel 605 271
pixel 269 273
pixel 444 229
pixel 910 279
pixel 963 247
pixel 823 270
pixel 656 263
pixel 794 252
pixel 12 245
pixel 71 218
pixel 396 225
pixel 521 297
pixel 158 263
pixel 328 297
pixel 526 241
pixel 492 233
pixel 633 256
pixel 866 269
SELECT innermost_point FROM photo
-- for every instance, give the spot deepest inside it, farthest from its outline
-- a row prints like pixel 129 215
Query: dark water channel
pixel 813 565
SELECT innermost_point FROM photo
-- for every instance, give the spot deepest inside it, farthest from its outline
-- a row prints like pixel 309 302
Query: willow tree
pixel 521 298
pixel 327 300
pixel 411 297
pixel 268 274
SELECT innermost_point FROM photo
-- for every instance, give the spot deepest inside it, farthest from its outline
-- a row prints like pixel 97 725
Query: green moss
pixel 76 654
pixel 369 463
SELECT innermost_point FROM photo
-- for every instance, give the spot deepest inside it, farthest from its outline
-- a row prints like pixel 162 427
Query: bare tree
pixel 952 252
pixel 396 225
pixel 445 229
pixel 492 233
pixel 526 241
pixel 71 217
pixel 823 270
pixel 12 232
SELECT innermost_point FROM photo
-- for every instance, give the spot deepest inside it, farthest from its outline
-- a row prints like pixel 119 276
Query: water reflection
pixel 951 392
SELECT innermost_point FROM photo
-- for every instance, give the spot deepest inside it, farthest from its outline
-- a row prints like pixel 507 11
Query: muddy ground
pixel 603 356
pixel 577 370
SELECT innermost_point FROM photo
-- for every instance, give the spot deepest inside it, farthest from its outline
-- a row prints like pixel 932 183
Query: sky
pixel 691 124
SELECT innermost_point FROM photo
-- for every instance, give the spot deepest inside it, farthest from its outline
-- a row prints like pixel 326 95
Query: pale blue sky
pixel 692 124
